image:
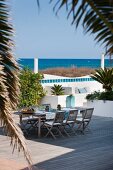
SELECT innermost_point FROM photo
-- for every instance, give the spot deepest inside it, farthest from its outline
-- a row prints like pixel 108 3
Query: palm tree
pixel 57 90
pixel 105 77
pixel 9 82
pixel 96 17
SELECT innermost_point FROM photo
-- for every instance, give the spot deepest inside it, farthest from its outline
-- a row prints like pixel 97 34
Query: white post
pixel 102 61
pixel 35 65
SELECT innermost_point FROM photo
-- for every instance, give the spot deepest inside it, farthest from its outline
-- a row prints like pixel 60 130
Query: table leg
pixel 39 126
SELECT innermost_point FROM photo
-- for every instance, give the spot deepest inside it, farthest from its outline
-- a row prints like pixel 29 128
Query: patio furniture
pixel 41 117
pixel 70 121
pixel 27 121
pixel 85 119
pixel 55 124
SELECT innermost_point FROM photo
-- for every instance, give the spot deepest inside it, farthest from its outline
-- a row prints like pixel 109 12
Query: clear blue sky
pixel 44 35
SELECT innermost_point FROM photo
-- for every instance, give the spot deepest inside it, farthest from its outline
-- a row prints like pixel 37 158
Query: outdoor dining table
pixel 50 115
pixel 40 114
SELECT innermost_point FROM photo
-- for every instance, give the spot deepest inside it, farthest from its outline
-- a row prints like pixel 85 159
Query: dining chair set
pixel 76 120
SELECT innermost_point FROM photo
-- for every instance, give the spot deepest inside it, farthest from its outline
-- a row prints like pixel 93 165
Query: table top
pixel 47 114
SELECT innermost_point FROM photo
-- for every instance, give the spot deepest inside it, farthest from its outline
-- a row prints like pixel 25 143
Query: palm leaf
pixel 105 77
pixel 57 90
pixel 9 82
pixel 96 17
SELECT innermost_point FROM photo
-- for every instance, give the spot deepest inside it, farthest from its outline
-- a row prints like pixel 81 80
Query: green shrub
pixel 31 90
pixel 106 96
pixel 93 96
pixel 100 96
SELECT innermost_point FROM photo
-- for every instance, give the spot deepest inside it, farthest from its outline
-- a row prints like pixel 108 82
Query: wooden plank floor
pixel 91 151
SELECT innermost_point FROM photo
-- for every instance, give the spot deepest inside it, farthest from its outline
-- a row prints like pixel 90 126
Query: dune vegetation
pixel 68 72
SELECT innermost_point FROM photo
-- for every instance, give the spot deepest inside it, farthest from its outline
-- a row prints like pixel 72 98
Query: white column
pixel 102 61
pixel 35 65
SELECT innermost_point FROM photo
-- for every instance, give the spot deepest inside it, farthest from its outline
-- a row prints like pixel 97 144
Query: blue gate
pixel 70 101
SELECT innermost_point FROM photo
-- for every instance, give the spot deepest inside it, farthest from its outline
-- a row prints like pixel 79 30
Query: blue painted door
pixel 70 101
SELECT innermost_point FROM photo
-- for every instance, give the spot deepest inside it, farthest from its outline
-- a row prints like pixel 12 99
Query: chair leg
pixel 71 127
pixel 66 132
pixel 80 125
pixel 59 131
pixel 50 132
pixel 85 124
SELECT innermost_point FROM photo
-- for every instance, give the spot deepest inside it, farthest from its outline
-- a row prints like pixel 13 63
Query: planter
pixel 101 107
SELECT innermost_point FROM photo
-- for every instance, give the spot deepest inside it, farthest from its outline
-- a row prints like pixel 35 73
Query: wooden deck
pixel 91 151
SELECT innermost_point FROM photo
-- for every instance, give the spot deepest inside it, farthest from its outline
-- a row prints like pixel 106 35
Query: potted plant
pixel 57 90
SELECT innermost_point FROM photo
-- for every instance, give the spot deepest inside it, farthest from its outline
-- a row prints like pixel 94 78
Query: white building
pixel 75 91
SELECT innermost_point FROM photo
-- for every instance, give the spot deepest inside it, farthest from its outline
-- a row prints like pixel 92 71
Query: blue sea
pixel 53 63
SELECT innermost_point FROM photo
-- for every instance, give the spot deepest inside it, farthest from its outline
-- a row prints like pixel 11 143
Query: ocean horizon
pixel 50 63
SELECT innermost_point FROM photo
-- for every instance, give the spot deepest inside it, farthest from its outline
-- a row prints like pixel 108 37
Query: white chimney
pixel 35 65
pixel 102 61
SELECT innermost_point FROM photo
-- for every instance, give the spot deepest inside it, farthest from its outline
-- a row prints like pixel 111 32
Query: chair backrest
pixel 88 113
pixel 59 116
pixel 72 115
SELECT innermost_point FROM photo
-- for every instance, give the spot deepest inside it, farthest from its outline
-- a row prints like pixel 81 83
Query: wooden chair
pixel 55 124
pixel 85 119
pixel 70 121
pixel 27 121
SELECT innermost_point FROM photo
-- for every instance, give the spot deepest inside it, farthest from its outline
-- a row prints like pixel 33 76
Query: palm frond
pixel 9 82
pixel 105 77
pixel 57 90
pixel 96 17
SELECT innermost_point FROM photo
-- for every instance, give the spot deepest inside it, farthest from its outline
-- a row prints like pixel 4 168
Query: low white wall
pixel 101 108
pixel 55 100
pixel 62 100
pixel 52 100
pixel 80 99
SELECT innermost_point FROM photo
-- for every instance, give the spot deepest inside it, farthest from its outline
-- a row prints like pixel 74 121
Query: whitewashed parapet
pixel 101 107
pixel 55 100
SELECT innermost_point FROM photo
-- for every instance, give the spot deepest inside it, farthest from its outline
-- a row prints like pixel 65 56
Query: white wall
pixel 52 100
pixel 62 100
pixel 80 99
pixel 90 85
pixel 48 90
pixel 55 100
pixel 67 90
pixel 101 108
